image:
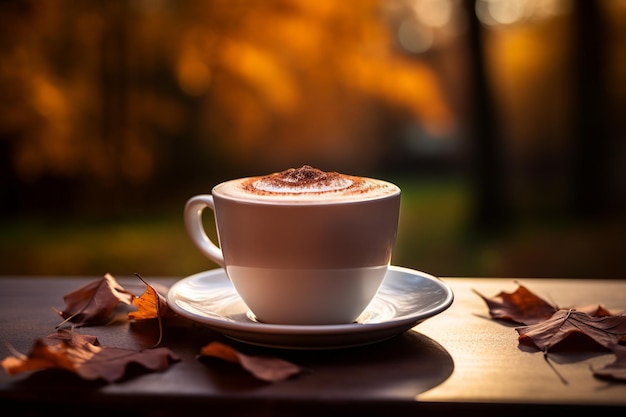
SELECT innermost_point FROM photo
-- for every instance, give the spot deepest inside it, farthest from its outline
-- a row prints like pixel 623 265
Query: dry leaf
pixel 84 356
pixel 150 305
pixel 525 307
pixel 616 369
pixel 521 306
pixel 262 367
pixel 544 329
pixel 596 310
pixel 607 331
pixel 93 303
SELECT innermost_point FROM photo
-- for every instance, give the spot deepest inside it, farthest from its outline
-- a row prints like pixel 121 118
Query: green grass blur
pixel 434 236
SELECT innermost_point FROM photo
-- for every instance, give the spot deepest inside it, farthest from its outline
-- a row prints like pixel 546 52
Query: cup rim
pixel 269 200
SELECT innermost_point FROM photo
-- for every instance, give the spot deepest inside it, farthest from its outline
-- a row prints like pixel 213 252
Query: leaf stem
pixel 557 373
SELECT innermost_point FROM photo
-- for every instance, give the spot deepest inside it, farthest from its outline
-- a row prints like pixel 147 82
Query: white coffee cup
pixel 299 249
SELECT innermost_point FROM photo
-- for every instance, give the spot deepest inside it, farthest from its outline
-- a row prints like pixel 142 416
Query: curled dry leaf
pixel 545 325
pixel 607 331
pixel 266 368
pixel 521 306
pixel 84 356
pixel 94 303
pixel 150 305
pixel 596 310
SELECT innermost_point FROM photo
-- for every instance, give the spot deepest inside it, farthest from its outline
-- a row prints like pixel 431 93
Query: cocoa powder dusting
pixel 302 177
pixel 305 180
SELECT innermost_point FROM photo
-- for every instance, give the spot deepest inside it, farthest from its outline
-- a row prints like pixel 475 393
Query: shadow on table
pixel 376 375
pixel 395 369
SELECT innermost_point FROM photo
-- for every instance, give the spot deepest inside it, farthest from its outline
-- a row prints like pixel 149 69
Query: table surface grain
pixel 458 361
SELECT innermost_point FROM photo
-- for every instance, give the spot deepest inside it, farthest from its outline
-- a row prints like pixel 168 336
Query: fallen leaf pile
pixel 544 325
pixel 94 304
pixel 83 355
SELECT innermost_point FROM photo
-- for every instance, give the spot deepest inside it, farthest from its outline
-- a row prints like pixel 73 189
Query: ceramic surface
pixel 405 299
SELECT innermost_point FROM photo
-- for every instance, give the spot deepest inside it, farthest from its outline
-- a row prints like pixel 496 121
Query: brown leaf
pixel 521 306
pixel 596 310
pixel 606 330
pixel 616 369
pixel 83 355
pixel 93 303
pixel 150 305
pixel 266 368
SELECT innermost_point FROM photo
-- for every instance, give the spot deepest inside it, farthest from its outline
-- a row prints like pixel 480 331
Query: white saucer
pixel 405 299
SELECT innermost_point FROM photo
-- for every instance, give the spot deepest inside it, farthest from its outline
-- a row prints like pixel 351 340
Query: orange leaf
pixel 150 305
pixel 93 303
pixel 266 368
pixel 83 355
pixel 521 306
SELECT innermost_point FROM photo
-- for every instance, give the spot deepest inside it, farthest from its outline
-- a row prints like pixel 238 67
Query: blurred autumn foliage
pixel 151 95
pixel 501 120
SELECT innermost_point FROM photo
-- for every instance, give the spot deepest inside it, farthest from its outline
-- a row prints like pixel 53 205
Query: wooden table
pixel 460 361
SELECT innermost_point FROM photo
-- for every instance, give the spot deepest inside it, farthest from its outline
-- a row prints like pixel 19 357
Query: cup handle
pixel 195 229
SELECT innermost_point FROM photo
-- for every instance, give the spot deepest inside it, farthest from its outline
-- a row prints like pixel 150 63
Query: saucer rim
pixel 312 330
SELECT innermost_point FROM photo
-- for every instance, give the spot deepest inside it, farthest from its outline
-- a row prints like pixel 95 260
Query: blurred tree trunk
pixel 113 76
pixel 591 165
pixel 491 211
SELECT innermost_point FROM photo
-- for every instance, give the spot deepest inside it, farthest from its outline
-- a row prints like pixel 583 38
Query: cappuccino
pixel 301 246
pixel 307 185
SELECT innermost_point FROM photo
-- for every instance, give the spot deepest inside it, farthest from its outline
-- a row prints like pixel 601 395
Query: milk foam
pixel 306 184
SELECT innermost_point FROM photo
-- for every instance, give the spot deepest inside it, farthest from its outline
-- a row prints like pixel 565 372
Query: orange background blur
pixel 502 120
